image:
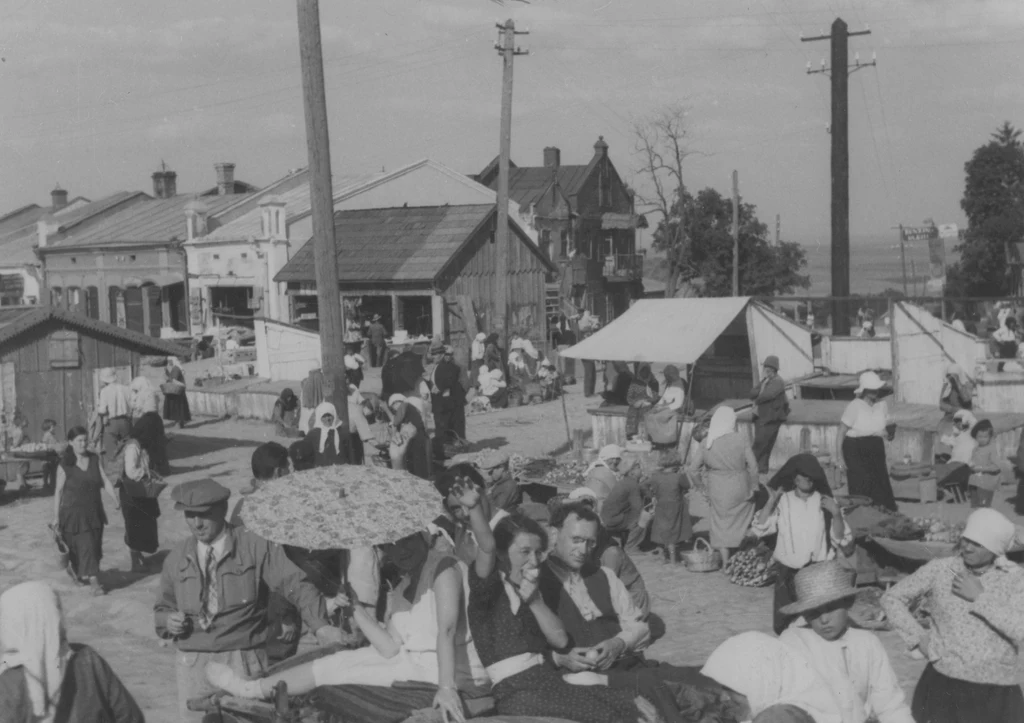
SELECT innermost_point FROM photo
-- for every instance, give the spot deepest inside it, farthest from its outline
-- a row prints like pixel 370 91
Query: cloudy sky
pixel 95 94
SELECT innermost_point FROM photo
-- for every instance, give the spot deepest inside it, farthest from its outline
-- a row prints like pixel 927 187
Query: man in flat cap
pixel 448 400
pixel 771 407
pixel 214 593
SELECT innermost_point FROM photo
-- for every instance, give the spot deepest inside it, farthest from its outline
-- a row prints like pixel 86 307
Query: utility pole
pixel 507 50
pixel 735 233
pixel 903 257
pixel 839 72
pixel 329 311
pixel 778 228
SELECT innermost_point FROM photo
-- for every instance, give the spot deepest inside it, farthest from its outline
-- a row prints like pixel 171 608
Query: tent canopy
pixel 661 331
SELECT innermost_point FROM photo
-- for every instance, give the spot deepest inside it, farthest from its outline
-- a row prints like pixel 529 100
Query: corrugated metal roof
pixel 670 331
pixel 393 244
pixel 24 318
pixel 20 217
pixel 297 204
pixel 157 221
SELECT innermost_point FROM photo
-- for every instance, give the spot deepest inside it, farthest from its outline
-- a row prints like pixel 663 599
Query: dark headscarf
pixel 492 338
pixel 148 431
pixel 805 464
pixel 621 367
pixel 643 373
pixel 289 402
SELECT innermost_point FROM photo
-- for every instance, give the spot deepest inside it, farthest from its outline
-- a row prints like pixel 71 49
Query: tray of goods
pixel 916 549
pixel 899 528
pixel 32 450
pixel 569 474
pixel 936 530
pixel 752 567
pixel 908 470
pixel 848 502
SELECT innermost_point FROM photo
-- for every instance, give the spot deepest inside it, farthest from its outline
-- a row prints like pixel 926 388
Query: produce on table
pixel 567 474
pixel 753 567
pixel 866 611
pixel 898 528
pixel 937 530
pixel 32 448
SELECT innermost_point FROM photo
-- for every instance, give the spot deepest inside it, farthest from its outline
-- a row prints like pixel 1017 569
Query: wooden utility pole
pixel 903 258
pixel 735 233
pixel 507 50
pixel 331 317
pixel 778 228
pixel 839 73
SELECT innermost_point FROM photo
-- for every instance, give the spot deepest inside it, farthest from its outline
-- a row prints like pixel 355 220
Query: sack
pixel 149 486
pixel 662 426
pixel 173 387
pixel 647 515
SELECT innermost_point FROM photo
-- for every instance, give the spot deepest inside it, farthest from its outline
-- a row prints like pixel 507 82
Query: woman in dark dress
pixel 416 456
pixel 176 403
pixel 286 414
pixel 150 428
pixel 514 630
pixel 78 510
pixel 141 512
pixel 330 442
pixel 641 396
pixel 43 677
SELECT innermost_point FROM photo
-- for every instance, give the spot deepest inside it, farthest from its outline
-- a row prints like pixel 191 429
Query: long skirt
pixel 785 594
pixel 176 408
pixel 540 691
pixel 732 510
pixel 140 522
pixel 85 550
pixel 941 699
pixel 866 471
pixel 115 434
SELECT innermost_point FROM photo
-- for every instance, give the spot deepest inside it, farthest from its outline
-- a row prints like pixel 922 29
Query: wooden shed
pixel 50 360
pixel 417 266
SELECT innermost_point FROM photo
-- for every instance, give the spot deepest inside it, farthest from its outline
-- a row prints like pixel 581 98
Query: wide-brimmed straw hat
pixel 869 382
pixel 818 585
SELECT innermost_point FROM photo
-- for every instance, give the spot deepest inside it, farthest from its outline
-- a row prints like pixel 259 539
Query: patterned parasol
pixel 342 506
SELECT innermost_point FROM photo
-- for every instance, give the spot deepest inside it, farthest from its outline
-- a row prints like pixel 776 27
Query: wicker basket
pixel 702 558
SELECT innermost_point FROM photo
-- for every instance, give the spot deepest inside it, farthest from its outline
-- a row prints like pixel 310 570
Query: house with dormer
pixel 585 219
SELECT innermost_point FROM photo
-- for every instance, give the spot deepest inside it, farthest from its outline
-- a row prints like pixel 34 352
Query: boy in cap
pixel 214 592
pixel 851 662
pixel 770 410
pixel 500 485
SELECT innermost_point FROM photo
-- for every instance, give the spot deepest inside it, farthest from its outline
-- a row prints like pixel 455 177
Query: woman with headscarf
pixel 493 386
pixel 354 364
pixel 330 441
pixel 864 424
pixel 663 420
pixel 956 395
pixel 764 674
pixel 176 400
pixel 425 638
pixel 671 526
pixel 974 643
pixel 603 473
pixel 286 414
pixel 46 679
pixel 640 397
pixel 415 448
pixel 139 505
pixel 729 469
pixel 476 355
pixel 492 353
pixel 145 398
pixel 808 525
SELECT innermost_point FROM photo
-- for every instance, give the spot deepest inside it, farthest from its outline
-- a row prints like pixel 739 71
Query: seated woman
pixel 953 475
pixel 414 452
pixel 286 414
pixel 641 396
pixel 514 629
pixel 1004 339
pixel 331 442
pixel 603 474
pixel 665 416
pixel 43 677
pixel 493 386
pixel 425 638
pixel 762 673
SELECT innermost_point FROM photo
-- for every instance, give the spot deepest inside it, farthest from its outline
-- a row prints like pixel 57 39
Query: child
pixel 986 470
pixel 671 526
pixel 17 437
pixel 49 438
pixel 809 524
pixel 955 473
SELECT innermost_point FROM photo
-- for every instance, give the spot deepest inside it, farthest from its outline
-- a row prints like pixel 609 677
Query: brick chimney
pixel 601 148
pixel 165 182
pixel 225 178
pixel 552 157
pixel 58 198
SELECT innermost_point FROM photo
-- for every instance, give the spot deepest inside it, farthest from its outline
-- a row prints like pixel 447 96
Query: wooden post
pixel 332 322
pixel 735 233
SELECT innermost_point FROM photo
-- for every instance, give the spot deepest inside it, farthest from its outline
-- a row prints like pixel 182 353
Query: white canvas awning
pixel 661 331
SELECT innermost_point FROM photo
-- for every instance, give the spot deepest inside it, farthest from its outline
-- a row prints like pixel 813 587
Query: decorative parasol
pixel 342 506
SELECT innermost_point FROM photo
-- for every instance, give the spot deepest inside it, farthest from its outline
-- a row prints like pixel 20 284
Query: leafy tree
pixel 765 269
pixel 994 204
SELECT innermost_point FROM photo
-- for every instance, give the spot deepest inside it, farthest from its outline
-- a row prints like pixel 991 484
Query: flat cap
pixel 491 458
pixel 199 495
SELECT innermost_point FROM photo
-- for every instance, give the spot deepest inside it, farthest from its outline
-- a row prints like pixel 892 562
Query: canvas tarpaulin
pixel 661 331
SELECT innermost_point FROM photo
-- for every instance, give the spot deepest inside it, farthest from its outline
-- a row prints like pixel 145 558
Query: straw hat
pixel 869 381
pixel 818 585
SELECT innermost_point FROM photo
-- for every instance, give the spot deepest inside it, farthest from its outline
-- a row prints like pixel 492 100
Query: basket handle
pixel 705 543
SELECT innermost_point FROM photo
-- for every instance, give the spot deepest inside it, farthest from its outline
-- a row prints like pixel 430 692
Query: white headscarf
pixel 144 397
pixel 528 347
pixel 955 370
pixel 994 532
pixel 607 452
pixel 723 422
pixel 768 672
pixel 32 637
pixel 477 348
pixel 325 432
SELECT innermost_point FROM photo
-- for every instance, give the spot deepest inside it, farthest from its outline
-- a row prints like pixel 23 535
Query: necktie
pixel 209 603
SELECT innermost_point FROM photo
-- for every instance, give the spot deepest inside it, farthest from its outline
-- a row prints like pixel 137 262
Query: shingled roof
pixel 15 321
pixel 396 244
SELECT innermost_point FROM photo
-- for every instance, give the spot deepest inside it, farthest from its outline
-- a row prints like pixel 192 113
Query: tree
pixel 994 204
pixel 661 145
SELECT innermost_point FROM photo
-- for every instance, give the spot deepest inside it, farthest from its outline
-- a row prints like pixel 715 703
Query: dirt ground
pixel 699 610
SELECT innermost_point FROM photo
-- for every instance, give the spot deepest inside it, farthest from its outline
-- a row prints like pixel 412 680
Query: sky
pixel 94 95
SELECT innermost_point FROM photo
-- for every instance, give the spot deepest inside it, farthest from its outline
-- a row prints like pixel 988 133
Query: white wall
pixel 774 334
pixel 285 352
pixel 852 355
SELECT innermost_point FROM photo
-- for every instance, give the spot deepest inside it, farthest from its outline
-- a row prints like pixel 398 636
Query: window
pixel 63 350
pixel 132 257
pixel 74 260
pixel 216 257
pixel 245 255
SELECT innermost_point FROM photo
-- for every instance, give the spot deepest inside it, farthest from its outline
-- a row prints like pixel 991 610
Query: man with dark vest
pixel 598 612
pixel 770 410
pixel 448 400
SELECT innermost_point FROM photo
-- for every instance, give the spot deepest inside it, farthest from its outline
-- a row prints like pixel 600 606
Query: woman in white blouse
pixel 864 423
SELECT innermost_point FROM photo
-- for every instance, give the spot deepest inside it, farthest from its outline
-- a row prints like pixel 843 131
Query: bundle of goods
pixel 866 611
pixel 908 469
pixel 525 469
pixel 898 527
pixel 567 474
pixel 752 567
pixel 937 530
pixel 32 448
